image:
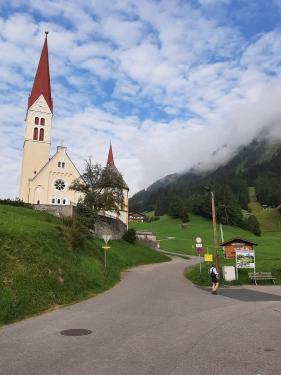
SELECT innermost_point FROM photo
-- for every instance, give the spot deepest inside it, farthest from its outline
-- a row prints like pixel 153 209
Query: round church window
pixel 59 185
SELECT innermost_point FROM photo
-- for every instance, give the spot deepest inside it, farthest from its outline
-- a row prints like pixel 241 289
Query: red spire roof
pixel 110 160
pixel 41 84
pixel 110 164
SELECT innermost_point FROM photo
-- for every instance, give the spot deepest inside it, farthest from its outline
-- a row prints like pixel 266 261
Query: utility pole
pixel 222 238
pixel 215 231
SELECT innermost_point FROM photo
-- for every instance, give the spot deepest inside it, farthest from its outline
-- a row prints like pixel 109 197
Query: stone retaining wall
pixel 55 210
pixel 104 225
pixel 107 225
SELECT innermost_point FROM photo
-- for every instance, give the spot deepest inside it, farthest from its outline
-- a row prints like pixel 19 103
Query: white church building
pixel 45 180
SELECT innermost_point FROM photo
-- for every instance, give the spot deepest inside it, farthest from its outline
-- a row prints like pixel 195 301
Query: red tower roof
pixel 41 84
pixel 110 160
pixel 111 165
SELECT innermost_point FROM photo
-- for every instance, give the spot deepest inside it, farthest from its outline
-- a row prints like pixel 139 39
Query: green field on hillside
pixel 268 251
pixel 41 268
pixel 269 218
pixel 252 194
pixel 185 238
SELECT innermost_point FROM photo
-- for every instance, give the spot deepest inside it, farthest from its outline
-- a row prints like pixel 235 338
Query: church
pixel 45 180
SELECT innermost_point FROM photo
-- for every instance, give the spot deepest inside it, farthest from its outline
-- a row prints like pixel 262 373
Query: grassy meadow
pixel 268 251
pixel 42 266
pixel 269 218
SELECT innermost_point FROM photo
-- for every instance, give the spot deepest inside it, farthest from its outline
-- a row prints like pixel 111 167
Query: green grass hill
pixel 43 267
pixel 268 251
pixel 269 218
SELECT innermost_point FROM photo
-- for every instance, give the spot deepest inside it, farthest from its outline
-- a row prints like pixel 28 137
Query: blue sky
pixel 167 82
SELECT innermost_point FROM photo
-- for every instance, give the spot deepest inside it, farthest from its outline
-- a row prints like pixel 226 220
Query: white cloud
pixel 213 2
pixel 20 28
pixel 119 67
pixel 103 68
pixel 124 33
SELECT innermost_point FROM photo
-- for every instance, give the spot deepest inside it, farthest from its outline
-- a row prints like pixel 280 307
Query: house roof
pixel 113 167
pixel 42 84
pixel 238 239
pixel 136 213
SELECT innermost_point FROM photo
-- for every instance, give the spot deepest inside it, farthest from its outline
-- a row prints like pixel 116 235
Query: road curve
pixel 153 322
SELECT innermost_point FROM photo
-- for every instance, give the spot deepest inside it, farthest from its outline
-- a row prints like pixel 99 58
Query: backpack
pixel 212 273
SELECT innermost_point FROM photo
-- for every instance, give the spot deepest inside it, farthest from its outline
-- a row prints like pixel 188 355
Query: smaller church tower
pixel 38 123
pixel 123 216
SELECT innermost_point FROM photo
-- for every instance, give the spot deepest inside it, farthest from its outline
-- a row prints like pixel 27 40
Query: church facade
pixel 45 180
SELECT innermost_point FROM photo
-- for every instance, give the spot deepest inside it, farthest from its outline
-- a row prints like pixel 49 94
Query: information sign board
pixel 245 259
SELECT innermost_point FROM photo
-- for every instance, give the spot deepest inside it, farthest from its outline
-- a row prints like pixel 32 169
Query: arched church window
pixel 41 135
pixel 35 134
pixel 36 120
pixel 42 121
pixel 59 184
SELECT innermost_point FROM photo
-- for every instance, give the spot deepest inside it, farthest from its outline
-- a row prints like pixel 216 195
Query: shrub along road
pixel 153 322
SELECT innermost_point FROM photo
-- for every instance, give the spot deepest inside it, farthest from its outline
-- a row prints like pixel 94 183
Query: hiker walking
pixel 215 279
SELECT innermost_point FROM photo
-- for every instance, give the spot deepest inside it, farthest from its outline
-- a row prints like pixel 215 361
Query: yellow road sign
pixel 106 247
pixel 208 257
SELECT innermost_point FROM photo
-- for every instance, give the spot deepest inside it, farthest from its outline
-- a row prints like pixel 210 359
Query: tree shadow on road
pixel 246 295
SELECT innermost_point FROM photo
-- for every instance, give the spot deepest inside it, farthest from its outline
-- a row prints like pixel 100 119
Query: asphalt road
pixel 153 322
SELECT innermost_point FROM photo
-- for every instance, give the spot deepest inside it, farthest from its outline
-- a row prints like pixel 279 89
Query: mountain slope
pixel 268 217
pixel 258 165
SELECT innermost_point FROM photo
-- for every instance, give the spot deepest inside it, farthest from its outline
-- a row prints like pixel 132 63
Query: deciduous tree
pixel 101 188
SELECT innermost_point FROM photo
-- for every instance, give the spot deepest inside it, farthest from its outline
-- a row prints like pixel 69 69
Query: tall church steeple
pixel 37 140
pixel 110 160
pixel 42 84
pixel 123 215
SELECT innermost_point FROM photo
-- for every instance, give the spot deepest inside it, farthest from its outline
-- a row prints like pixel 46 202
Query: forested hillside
pixel 257 165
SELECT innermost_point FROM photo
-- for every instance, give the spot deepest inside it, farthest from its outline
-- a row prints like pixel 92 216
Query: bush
pixel 251 223
pixel 178 209
pixel 185 217
pixel 17 203
pixel 78 230
pixel 85 215
pixel 77 234
pixel 130 235
pixel 155 218
pixel 150 219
